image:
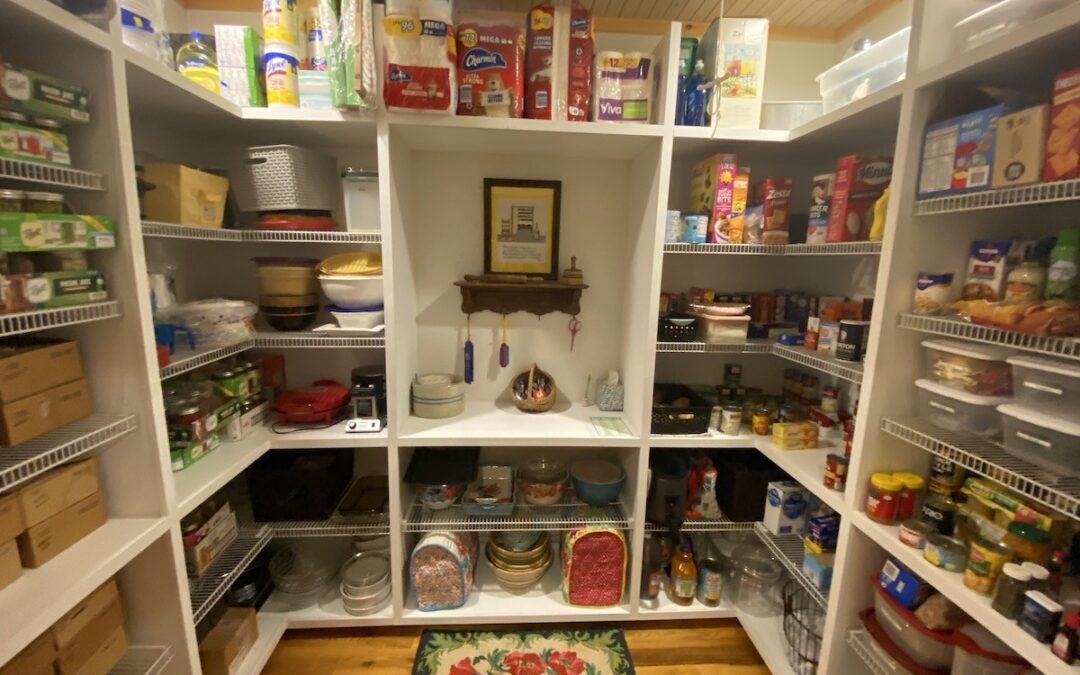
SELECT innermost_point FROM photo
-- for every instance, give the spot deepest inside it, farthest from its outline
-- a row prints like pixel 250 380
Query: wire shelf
pixel 187 360
pixel 842 248
pixel 862 644
pixel 172 231
pixel 748 347
pixel 48 174
pixel 566 516
pixel 1040 193
pixel 310 340
pixel 208 589
pixel 845 370
pixel 1061 493
pixel 324 528
pixel 788 548
pixel 139 660
pixel 954 327
pixel 22 462
pixel 702 525
pixel 26 322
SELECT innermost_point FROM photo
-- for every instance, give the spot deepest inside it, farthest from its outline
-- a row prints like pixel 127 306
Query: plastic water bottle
pixel 696 96
pixel 197 61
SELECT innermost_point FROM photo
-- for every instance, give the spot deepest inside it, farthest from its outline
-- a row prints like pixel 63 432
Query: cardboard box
pixel 185 196
pixel 958 154
pixel 79 651
pixel 34 415
pixel 712 190
pixel 57 490
pixel 820 198
pixel 903 585
pixel 1063 142
pixel 11 518
pixel 226 645
pixel 202 547
pixel 32 232
pixel 44 541
pixel 735 48
pixel 67 629
pixel 32 365
pixel 36 145
pixel 50 290
pixel 183 454
pixel 244 86
pixel 36 658
pixel 107 655
pixel 785 507
pixel 10 564
pixel 34 93
pixel 1020 147
pixel 858 183
pixel 774 194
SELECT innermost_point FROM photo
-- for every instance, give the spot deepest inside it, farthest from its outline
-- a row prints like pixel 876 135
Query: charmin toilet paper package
pixel 623 87
pixel 558 62
pixel 419 55
pixel 491 66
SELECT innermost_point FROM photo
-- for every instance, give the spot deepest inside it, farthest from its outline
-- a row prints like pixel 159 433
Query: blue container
pixel 597 482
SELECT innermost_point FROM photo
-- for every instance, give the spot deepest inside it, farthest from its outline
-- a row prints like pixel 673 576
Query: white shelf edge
pixel 156 229
pixel 807 467
pixel 226 568
pixel 1068 348
pixel 1023 195
pixel 853 248
pixel 768 637
pixel 44 319
pixel 852 371
pixel 845 113
pixel 56 175
pixel 187 360
pixel 144 660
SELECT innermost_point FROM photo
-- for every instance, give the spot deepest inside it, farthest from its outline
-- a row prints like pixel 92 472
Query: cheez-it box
pixel 1063 142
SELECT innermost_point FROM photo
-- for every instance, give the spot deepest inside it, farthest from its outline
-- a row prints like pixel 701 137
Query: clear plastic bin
pixel 976 369
pixel 956 410
pixel 722 329
pixel 1047 385
pixel 1046 440
pixel 1000 18
pixel 862 74
pixel 930 649
pixel 979 652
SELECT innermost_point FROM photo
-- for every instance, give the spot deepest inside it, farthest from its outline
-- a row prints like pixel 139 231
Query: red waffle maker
pixel 324 401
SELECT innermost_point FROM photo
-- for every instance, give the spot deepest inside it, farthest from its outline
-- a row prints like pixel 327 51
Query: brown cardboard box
pixel 90 639
pixel 44 541
pixel 205 545
pixel 67 628
pixel 34 415
pixel 36 658
pixel 108 653
pixel 11 520
pixel 1020 147
pixel 31 365
pixel 10 564
pixel 229 641
pixel 185 196
pixel 56 491
pixel 1063 139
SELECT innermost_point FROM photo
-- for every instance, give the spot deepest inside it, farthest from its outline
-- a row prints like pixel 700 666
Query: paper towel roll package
pixel 419 56
pixel 558 62
pixel 623 87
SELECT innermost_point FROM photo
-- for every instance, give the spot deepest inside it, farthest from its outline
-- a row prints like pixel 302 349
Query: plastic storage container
pixel 722 329
pixel 756 577
pixel 864 73
pixel 929 648
pixel 977 369
pixel 1046 440
pixel 978 652
pixel 1047 385
pixel 998 19
pixel 957 410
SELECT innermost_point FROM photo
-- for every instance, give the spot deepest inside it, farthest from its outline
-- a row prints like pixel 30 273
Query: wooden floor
pixel 657 648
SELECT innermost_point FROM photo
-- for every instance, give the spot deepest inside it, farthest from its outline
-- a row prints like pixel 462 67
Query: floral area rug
pixel 554 652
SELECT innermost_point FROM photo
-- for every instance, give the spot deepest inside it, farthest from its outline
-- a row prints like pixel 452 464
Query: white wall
pixel 881 26
pixel 791 66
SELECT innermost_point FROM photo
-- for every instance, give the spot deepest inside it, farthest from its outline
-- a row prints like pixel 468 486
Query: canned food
pixel 761 421
pixel 851 340
pixel 945 552
pixel 695 228
pixel 946 474
pixel 913 533
pixel 836 467
pixel 731 420
pixel 939 512
pixel 984 563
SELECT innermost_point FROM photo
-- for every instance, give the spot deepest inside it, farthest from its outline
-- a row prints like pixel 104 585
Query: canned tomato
pixel 836 467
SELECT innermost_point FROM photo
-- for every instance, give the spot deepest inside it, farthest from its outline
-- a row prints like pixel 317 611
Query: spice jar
pixel 1012 583
pixel 762 421
pixel 939 512
pixel 44 202
pixel 911 487
pixel 1028 542
pixel 12 201
pixel 881 499
pixel 731 419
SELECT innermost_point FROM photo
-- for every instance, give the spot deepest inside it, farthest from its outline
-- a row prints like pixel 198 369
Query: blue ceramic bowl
pixel 597 481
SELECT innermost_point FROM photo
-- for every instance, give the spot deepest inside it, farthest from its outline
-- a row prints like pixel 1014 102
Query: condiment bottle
pixel 911 487
pixel 1065 642
pixel 881 499
pixel 684 579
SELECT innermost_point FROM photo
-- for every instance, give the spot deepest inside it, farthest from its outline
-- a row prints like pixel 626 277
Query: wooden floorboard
pixel 711 647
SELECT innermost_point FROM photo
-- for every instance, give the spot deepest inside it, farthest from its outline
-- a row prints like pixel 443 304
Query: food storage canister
pixel 881 498
pixel 929 648
pixel 958 410
pixel 12 200
pixel 43 202
pixel 757 575
pixel 1013 582
pixel 977 369
pixel 865 72
pixel 978 652
pixel 1047 440
pixel 1047 385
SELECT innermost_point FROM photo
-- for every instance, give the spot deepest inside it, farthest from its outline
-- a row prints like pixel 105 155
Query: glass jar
pixel 757 578
pixel 1028 542
pixel 1012 583
pixel 1040 577
pixel 12 201
pixel 714 417
pixel 881 499
pixel 731 419
pixel 911 488
pixel 939 512
pixel 254 376
pixel 183 410
pixel 44 202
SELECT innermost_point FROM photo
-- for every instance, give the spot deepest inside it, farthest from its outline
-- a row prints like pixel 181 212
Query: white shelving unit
pixel 620 180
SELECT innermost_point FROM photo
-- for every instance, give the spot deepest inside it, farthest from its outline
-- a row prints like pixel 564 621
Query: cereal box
pixel 1063 143
pixel 958 153
pixel 491 70
pixel 712 189
pixel 774 195
pixel 820 197
pixel 731 228
pixel 859 182
pixel 1020 147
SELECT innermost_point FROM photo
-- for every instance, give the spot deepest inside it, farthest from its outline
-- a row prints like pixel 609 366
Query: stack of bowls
pixel 288 292
pixel 301 573
pixel 519 559
pixel 365 582
pixel 353 282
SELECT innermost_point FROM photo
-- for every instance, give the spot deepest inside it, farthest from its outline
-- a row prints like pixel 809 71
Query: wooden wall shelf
pixel 535 297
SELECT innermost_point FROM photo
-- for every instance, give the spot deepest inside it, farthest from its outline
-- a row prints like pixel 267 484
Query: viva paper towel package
pixel 558 61
pixel 419 56
pixel 623 87
pixel 733 51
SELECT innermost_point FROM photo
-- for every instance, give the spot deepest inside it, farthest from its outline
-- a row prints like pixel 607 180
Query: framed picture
pixel 521 227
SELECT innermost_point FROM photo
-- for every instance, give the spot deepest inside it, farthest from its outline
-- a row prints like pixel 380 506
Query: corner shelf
pixel 1038 193
pixel 313 340
pixel 161 230
pixel 140 660
pixel 50 174
pixel 1068 348
pixel 721 524
pixel 788 549
pixel 27 322
pixel 763 346
pixel 566 516
pixel 852 371
pixel 230 564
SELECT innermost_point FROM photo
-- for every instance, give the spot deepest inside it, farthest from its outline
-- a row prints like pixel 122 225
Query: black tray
pixel 442 466
pixel 669 419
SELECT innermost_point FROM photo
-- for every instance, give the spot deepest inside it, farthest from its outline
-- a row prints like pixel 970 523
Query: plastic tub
pixel 957 410
pixel 929 648
pixel 1046 440
pixel 757 576
pixel 353 291
pixel 722 329
pixel 1047 385
pixel 864 73
pixel 1000 18
pixel 977 369
pixel 979 652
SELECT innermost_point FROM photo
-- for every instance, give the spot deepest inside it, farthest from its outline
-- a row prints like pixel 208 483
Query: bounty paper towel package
pixel 733 51
pixel 623 87
pixel 419 56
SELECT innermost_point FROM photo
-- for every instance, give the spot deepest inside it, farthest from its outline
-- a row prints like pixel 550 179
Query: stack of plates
pixel 365 582
pixel 517 566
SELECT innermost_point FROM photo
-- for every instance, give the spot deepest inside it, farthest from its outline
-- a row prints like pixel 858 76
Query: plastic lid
pixel 1036 570
pixel 1045 364
pixel 1016 572
pixel 940 389
pixel 885 481
pixel 1040 419
pixel 911 481
pixel 961 348
pixel 986 644
pixel 1029 532
pixel 1042 599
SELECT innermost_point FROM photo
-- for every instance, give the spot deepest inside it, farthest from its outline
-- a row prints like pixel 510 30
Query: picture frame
pixel 521 227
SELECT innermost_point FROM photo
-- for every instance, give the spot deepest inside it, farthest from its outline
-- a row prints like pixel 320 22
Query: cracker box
pixel 958 153
pixel 712 191
pixel 1063 142
pixel 1020 147
pixel 491 70
pixel 774 194
pixel 859 182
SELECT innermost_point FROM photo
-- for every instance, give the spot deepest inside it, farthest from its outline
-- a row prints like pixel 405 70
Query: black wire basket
pixel 678 330
pixel 804 625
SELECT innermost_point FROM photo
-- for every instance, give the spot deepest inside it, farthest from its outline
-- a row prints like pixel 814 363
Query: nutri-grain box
pixel 774 195
pixel 859 182
pixel 1063 142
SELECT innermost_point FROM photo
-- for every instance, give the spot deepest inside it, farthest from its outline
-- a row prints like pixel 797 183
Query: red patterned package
pixel 491 69
pixel 593 567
